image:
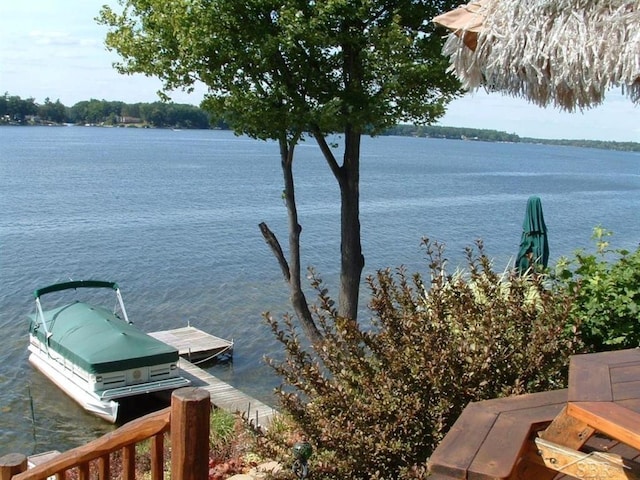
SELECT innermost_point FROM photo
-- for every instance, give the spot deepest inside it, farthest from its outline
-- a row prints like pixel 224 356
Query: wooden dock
pixel 227 397
pixel 196 345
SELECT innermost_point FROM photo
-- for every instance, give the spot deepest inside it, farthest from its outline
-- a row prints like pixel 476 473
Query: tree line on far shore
pixel 17 111
pixel 431 131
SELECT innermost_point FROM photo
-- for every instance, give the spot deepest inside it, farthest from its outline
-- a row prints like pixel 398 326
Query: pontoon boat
pixel 95 355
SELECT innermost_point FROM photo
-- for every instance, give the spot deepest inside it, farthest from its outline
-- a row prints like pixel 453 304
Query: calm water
pixel 173 216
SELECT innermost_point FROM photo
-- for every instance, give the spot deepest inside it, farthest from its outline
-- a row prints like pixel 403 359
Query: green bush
pixel 607 284
pixel 376 399
pixel 230 439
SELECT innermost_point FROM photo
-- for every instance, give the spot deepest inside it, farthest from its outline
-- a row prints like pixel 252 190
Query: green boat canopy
pixel 74 284
pixel 99 341
pixel 534 246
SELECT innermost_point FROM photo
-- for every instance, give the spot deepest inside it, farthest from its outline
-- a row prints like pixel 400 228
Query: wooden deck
pixel 196 346
pixel 490 435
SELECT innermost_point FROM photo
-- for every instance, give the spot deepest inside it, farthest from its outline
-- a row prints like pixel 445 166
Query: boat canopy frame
pixel 72 285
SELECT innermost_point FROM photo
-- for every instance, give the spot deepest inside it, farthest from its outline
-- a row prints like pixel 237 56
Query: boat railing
pixel 131 390
pixel 186 422
pixel 74 285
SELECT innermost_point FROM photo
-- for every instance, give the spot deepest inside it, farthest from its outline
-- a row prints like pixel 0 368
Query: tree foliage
pixel 607 284
pixel 54 112
pixel 274 67
pixel 156 114
pixel 452 133
pixel 279 70
pixel 15 110
pixel 377 398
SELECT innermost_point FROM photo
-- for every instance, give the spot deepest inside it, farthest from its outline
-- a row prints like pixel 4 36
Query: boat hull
pixel 72 381
pixel 107 410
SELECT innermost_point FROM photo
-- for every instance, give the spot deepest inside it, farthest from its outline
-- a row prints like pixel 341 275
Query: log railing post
pixel 190 411
pixel 12 464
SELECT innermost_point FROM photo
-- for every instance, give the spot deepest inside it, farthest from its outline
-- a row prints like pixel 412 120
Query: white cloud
pixel 54 39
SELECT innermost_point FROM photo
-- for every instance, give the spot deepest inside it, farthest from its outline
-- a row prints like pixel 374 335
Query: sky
pixel 54 49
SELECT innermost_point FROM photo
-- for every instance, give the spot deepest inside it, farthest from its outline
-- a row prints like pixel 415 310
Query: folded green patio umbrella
pixel 534 246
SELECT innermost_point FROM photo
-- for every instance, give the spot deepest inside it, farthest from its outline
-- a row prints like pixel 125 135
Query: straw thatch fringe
pixel 562 52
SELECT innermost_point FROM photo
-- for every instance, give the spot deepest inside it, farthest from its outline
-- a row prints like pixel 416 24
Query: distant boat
pixel 95 355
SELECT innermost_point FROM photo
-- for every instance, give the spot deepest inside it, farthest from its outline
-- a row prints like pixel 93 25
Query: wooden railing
pixel 187 421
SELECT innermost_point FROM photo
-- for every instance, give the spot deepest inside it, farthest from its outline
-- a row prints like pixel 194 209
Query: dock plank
pixel 227 397
pixel 194 344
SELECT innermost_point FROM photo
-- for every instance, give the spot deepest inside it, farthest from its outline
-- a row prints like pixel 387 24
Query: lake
pixel 172 216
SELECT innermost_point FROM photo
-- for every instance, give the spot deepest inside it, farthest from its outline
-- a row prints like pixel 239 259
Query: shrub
pixel 607 284
pixel 376 399
pixel 231 442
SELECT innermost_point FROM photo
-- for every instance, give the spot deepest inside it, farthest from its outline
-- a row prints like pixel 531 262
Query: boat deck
pixel 195 345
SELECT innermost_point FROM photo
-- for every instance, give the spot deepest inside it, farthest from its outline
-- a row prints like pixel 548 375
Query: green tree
pixel 280 70
pixel 92 111
pixel 53 111
pixel 131 110
pixel 608 293
pixel 154 114
pixel 17 108
pixel 187 116
pixel 4 101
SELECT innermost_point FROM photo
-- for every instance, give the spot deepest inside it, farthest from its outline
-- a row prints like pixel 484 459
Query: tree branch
pixel 328 154
pixel 273 243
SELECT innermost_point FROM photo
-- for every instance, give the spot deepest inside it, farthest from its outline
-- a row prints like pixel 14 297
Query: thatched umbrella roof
pixel 566 53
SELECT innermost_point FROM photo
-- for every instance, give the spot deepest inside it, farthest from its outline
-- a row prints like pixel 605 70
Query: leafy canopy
pixel 291 66
pixel 607 285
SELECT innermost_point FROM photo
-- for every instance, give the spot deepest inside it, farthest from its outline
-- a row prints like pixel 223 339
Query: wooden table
pixel 589 431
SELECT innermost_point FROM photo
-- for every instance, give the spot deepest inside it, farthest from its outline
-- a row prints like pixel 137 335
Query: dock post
pixel 190 414
pixel 11 465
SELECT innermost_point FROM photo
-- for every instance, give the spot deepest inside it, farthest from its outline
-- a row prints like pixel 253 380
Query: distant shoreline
pixel 448 133
pixel 168 115
pixel 474 134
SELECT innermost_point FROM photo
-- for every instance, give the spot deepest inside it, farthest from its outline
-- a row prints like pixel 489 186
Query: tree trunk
pixel 292 269
pixel 352 260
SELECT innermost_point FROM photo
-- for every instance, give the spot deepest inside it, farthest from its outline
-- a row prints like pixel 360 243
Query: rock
pixel 264 469
pixel 269 467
